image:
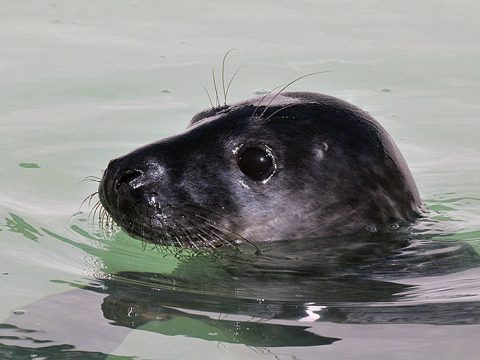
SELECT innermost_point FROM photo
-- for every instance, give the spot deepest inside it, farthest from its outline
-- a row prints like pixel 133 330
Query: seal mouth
pixel 181 225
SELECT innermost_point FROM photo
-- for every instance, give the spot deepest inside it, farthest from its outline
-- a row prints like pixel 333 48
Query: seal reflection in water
pixel 285 166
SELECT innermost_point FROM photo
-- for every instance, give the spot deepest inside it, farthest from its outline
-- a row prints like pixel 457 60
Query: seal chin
pixel 308 166
pixel 183 229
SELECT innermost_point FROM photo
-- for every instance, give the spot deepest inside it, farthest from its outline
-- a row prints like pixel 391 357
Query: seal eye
pixel 256 163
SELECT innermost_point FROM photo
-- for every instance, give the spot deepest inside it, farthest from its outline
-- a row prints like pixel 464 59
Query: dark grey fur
pixel 337 172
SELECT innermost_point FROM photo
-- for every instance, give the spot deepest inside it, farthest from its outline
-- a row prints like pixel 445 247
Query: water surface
pixel 83 82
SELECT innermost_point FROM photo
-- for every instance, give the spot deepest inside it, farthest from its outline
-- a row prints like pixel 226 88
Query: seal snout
pixel 122 186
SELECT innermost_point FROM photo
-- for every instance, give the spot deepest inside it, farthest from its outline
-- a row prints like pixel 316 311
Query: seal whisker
pixel 102 221
pixel 106 220
pixel 177 239
pixel 183 229
pixel 91 179
pixel 263 98
pixel 89 199
pixel 226 232
pixel 223 76
pixel 223 235
pixel 169 232
pixel 211 223
pixel 100 217
pixel 230 83
pixel 190 240
pixel 209 98
pixel 91 210
pixel 283 89
pixel 175 236
pixel 166 227
pixel 222 229
pixel 195 226
pixel 222 240
pixel 186 232
pixel 207 242
pixel 278 110
pixel 150 222
pixel 287 85
pixel 112 222
pixel 167 236
pixel 198 227
pixel 215 86
pixel 94 210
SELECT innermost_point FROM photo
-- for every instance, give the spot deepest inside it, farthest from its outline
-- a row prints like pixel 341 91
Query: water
pixel 83 82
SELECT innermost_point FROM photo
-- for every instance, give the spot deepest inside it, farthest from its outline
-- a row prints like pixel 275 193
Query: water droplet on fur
pixel 394 227
pixel 371 229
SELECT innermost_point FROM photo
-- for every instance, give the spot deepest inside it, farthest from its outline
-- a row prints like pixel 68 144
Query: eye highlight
pixel 257 163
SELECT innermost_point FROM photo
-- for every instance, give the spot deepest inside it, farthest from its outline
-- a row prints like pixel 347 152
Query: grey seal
pixel 284 166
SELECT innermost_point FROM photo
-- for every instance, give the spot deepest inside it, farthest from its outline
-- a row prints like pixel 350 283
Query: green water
pixel 82 82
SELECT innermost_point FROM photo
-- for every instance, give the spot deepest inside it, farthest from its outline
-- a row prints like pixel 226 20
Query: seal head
pixel 289 166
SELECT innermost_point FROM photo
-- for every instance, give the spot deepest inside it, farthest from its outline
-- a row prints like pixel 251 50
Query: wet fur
pixel 338 172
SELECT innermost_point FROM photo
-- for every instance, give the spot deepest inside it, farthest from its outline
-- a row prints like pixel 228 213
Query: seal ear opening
pixel 321 150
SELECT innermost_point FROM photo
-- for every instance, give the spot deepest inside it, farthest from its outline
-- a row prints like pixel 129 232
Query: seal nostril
pixel 128 177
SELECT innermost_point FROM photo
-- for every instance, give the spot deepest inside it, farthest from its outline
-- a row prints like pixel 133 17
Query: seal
pixel 283 166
